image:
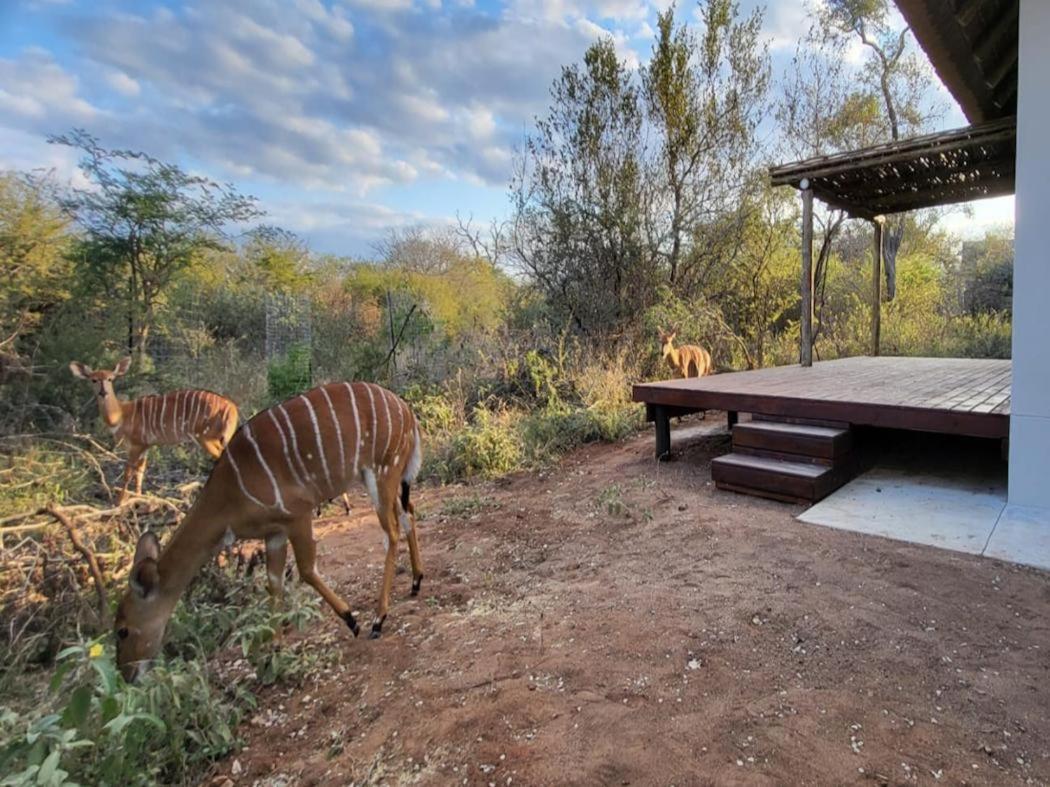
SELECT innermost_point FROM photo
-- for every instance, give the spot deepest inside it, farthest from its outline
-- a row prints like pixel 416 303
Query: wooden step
pixel 786 419
pixel 786 457
pixel 820 442
pixel 775 478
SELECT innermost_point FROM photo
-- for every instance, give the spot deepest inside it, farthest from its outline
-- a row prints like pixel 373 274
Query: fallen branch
pixel 89 557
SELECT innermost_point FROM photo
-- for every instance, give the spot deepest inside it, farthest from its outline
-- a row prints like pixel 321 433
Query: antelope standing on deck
pixel 688 359
pixel 276 470
pixel 164 419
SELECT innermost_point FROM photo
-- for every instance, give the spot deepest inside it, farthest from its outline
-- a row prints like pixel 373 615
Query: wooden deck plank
pixel 951 395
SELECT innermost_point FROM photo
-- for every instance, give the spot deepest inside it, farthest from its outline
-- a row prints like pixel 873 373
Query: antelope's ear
pixel 145 577
pixel 79 369
pixel 122 367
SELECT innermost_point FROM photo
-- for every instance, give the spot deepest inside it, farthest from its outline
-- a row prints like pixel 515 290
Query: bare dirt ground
pixel 617 621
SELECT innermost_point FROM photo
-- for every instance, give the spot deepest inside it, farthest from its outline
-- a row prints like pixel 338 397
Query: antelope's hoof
pixel 377 628
pixel 348 616
pixel 416 584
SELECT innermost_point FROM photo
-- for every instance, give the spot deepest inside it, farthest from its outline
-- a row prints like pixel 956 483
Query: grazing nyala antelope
pixel 277 469
pixel 688 359
pixel 159 419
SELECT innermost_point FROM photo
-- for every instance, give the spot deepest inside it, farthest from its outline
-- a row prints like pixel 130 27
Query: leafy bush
pixel 91 727
pixel 289 374
pixel 489 447
pixel 103 731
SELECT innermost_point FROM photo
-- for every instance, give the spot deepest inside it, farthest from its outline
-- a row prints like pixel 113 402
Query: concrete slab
pixel 955 511
pixel 1022 536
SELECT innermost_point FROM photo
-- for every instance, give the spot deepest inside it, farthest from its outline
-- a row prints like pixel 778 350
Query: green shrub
pixel 91 727
pixel 103 731
pixel 489 447
pixel 289 374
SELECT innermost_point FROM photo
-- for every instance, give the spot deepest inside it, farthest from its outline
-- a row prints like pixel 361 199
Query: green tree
pixel 144 221
pixel 582 197
pixel 987 271
pixel 891 85
pixel 705 97
pixel 35 238
pixel 280 259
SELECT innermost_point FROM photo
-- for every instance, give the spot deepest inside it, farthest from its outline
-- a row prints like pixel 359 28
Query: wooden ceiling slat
pixel 936 169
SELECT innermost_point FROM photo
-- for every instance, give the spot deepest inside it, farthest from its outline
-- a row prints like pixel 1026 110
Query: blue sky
pixel 345 117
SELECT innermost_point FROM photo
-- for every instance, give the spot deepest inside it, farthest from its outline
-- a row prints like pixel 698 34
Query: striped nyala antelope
pixel 277 469
pixel 689 360
pixel 159 419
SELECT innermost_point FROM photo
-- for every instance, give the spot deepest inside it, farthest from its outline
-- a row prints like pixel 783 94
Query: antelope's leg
pixel 276 557
pixel 301 534
pixel 346 503
pixel 408 521
pixel 129 470
pixel 140 471
pixel 387 511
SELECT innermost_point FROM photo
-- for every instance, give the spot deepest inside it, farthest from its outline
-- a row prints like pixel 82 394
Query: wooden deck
pixel 946 395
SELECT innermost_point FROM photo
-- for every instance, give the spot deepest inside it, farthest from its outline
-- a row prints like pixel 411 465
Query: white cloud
pixel 36 88
pixel 122 83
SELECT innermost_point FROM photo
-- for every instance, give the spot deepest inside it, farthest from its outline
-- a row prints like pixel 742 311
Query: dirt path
pixel 615 622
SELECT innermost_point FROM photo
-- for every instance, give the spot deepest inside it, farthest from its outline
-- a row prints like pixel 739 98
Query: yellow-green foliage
pixel 469 295
pixel 34 239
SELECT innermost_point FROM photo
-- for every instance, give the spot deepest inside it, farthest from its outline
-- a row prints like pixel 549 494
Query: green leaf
pixel 107 673
pixel 118 724
pixel 48 768
pixel 110 708
pixel 76 711
pixel 67 652
pixel 60 674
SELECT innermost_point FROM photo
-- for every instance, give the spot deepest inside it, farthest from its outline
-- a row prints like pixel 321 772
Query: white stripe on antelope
pixel 265 488
pixel 159 419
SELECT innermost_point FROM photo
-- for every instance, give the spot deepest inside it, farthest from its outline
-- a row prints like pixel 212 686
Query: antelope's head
pixel 102 379
pixel 667 340
pixel 142 615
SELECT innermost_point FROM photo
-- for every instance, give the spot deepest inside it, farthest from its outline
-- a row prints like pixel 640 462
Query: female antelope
pixel 165 419
pixel 277 469
pixel 689 360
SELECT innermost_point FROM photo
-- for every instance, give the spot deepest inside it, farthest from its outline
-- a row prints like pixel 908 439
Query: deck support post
pixel 876 285
pixel 806 321
pixel 732 416
pixel 662 423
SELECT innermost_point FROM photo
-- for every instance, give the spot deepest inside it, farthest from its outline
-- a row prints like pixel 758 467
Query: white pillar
pixel 1030 398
